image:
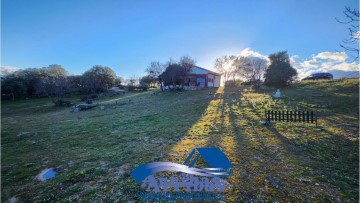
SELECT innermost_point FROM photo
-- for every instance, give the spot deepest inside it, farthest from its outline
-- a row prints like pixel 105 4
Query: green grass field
pixel 93 151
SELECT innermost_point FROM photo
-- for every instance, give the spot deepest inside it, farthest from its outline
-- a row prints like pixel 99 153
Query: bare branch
pixel 352 19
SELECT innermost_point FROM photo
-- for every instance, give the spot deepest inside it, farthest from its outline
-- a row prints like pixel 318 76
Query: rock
pixel 80 107
pixel 13 200
pixel 115 132
pixel 46 174
pixel 102 107
pixel 20 134
pixel 70 163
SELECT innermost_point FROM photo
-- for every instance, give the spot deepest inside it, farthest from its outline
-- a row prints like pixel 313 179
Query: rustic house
pixel 202 78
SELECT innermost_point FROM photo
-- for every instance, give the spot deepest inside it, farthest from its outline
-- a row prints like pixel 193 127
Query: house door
pixel 200 82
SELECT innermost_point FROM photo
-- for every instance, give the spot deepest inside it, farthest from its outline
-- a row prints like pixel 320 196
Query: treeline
pixel 54 81
pixel 275 70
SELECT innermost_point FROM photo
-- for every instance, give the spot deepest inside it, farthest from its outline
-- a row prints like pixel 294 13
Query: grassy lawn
pixel 93 151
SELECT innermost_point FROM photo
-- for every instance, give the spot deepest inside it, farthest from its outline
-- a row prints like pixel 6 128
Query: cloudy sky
pixel 128 35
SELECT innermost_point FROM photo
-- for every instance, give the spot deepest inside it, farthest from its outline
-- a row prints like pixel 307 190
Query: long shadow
pixel 331 161
pixel 89 150
pixel 269 166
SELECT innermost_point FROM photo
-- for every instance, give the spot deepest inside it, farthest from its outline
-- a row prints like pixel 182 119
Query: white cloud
pixel 357 35
pixel 5 70
pixel 333 62
pixel 310 63
pixel 248 52
pixel 337 56
pixel 344 66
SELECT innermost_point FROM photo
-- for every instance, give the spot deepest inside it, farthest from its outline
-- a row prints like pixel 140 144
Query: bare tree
pixel 250 68
pixel 223 66
pixel 186 63
pixel 350 44
pixel 233 73
pixel 244 67
pixel 154 70
pixel 259 66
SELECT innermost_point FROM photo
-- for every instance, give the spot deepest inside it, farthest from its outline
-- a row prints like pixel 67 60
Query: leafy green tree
pixel 98 79
pixel 47 81
pixel 280 73
pixel 53 83
pixel 176 72
pixel 118 81
pixel 13 87
pixel 148 80
pixel 173 75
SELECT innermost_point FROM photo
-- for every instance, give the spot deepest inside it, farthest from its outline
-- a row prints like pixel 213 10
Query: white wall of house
pixel 217 81
pixel 210 80
pixel 196 70
pixel 213 80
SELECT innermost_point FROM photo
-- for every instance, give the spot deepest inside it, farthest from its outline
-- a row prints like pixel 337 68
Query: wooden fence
pixel 291 116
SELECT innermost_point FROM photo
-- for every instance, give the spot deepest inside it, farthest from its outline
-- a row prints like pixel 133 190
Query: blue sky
pixel 128 35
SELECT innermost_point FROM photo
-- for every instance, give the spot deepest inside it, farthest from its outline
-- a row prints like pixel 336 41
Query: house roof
pixel 212 72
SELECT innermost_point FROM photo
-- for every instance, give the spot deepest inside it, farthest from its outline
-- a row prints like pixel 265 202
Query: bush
pixel 131 88
pixel 139 88
pixel 144 87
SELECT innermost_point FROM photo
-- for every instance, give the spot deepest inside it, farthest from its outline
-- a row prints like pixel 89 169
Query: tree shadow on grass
pixel 322 156
pixel 269 166
pixel 88 150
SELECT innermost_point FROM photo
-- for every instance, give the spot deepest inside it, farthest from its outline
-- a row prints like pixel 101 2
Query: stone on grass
pixel 80 107
pixel 46 174
pixel 13 200
pixel 116 132
pixel 23 134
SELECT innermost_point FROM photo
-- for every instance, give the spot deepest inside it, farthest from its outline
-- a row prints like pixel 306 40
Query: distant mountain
pixel 344 74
